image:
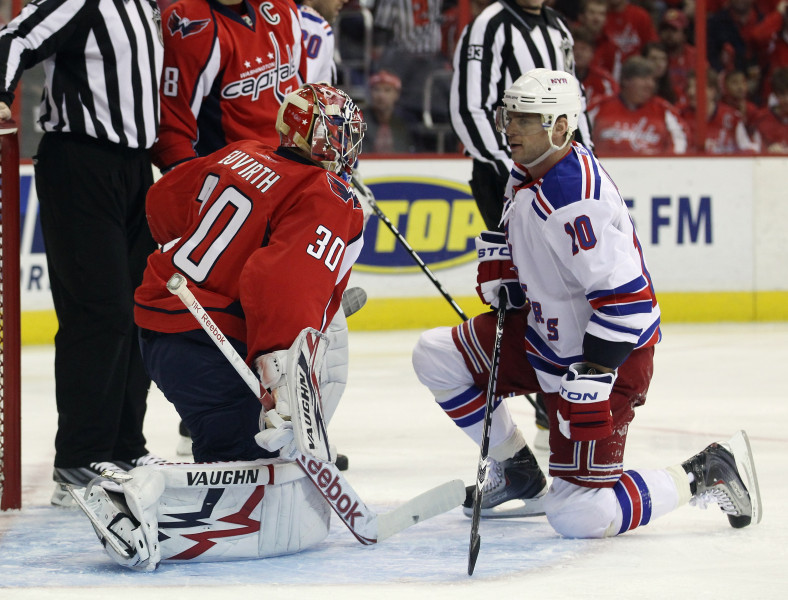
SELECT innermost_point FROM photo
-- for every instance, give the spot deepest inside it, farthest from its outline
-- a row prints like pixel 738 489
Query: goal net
pixel 10 367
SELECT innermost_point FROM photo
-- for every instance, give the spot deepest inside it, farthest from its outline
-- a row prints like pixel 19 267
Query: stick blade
pixel 473 552
pixel 429 504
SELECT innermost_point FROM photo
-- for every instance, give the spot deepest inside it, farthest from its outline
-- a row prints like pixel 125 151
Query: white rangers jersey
pixel 580 263
pixel 319 47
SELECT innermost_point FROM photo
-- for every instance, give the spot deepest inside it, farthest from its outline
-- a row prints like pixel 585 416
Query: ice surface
pixel 709 381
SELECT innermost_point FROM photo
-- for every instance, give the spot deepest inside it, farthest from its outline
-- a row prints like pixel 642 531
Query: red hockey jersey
pixel 653 128
pixel 265 238
pixel 225 75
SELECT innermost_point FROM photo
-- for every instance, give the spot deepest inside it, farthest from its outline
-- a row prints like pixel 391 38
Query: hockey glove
pixel 279 438
pixel 584 406
pixel 496 269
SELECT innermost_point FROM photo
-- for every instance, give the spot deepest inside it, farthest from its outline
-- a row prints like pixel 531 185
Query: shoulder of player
pixel 309 14
pixel 192 9
pixel 576 178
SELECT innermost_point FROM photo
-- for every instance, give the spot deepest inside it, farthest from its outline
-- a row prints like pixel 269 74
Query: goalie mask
pixel 325 123
pixel 550 94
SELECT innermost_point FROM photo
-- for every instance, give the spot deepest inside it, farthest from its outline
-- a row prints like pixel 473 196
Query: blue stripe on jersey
pixel 537 210
pixel 648 333
pixel 637 284
pixel 632 308
pixel 613 327
pixel 311 17
pixel 544 359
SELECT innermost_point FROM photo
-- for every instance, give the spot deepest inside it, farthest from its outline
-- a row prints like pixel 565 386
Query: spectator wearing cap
pixel 725 129
pixel 681 54
pixel 636 122
pixel 771 124
pixel 387 131
pixel 628 27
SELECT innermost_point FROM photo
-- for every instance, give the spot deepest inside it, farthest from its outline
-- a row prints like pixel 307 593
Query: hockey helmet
pixel 324 122
pixel 551 94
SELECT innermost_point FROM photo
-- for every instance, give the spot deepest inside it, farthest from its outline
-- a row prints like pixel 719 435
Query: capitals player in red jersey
pixel 266 238
pixel 228 64
pixel 582 328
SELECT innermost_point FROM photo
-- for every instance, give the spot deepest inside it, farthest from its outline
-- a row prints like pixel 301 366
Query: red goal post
pixel 10 335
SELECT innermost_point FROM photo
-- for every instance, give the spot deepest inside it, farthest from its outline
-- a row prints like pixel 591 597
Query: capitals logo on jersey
pixel 185 27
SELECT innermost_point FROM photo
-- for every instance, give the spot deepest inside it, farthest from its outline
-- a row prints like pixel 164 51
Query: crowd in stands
pixel 635 59
pixel 395 60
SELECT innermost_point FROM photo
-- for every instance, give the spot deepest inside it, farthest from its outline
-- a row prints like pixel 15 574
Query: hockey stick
pixel 368 526
pixel 370 198
pixel 475 542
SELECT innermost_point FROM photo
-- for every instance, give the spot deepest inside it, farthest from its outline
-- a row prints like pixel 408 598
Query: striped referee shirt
pixel 413 25
pixel 501 44
pixel 102 63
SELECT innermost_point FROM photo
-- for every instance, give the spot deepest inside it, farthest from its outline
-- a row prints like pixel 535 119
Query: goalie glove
pixel 584 406
pixel 496 269
pixel 278 437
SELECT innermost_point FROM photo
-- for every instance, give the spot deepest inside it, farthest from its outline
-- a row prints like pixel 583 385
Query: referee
pixel 100 113
pixel 507 39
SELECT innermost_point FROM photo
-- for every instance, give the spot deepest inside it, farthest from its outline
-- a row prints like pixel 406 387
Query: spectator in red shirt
pixel 596 82
pixel 725 130
pixel 772 122
pixel 771 39
pixel 681 54
pixel 735 90
pixel 636 121
pixel 628 27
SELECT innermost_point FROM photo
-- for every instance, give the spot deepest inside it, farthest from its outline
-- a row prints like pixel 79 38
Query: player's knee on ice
pixel 578 512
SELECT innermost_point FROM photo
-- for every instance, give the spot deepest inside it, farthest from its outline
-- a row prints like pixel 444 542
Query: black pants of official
pixel 488 187
pixel 92 203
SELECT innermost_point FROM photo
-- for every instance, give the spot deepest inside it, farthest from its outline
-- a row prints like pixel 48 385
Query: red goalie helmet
pixel 325 123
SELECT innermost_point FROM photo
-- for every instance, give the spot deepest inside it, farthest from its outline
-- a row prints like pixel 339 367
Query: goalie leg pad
pixel 210 518
pixel 333 378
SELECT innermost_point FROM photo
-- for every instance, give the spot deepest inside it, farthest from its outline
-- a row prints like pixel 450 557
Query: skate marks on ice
pixel 52 547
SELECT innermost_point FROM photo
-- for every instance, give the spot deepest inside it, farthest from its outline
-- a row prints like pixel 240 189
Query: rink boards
pixel 711 231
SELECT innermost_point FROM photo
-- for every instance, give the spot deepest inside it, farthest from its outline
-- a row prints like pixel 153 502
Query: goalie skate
pixel 515 487
pixel 117 530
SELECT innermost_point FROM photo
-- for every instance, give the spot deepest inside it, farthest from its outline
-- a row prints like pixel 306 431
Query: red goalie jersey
pixel 225 75
pixel 268 237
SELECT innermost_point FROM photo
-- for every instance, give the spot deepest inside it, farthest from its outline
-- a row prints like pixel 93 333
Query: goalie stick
pixel 475 541
pixel 368 526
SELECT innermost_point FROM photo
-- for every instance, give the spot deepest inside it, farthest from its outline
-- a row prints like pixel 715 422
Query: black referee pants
pixel 488 187
pixel 92 203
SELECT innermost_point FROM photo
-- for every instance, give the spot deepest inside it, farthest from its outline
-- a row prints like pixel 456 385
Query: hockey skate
pixel 513 488
pixel 725 474
pixel 80 477
pixel 142 461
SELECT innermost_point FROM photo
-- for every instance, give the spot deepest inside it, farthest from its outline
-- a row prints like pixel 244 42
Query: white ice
pixel 709 381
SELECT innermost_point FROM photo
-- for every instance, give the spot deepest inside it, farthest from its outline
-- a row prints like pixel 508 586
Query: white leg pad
pixel 333 377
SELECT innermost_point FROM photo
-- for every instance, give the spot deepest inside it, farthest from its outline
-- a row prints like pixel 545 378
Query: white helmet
pixel 551 94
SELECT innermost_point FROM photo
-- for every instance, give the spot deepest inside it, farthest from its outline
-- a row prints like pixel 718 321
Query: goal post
pixel 10 334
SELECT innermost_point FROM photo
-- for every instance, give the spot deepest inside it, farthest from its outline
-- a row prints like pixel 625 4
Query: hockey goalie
pixel 264 238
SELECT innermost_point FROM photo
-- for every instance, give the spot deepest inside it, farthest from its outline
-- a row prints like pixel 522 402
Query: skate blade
pixel 512 509
pixel 739 445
